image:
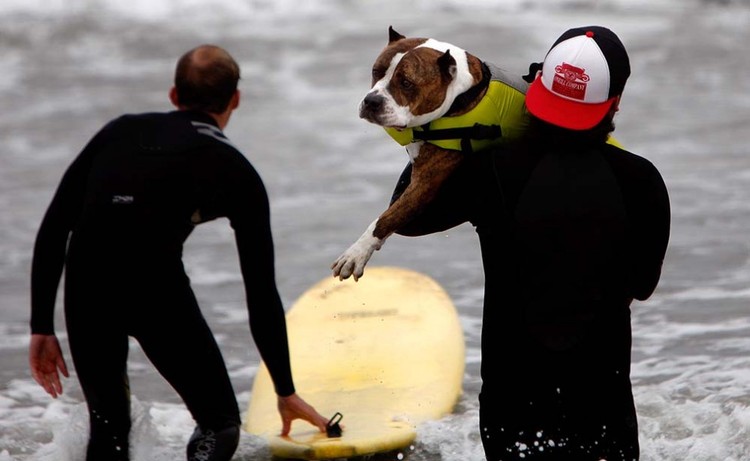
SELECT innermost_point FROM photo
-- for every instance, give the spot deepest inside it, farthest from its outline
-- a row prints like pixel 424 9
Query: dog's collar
pixel 472 94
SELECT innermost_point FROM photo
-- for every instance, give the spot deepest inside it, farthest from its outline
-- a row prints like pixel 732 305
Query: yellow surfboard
pixel 387 352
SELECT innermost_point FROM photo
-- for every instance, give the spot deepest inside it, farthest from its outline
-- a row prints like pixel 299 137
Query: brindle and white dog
pixel 414 81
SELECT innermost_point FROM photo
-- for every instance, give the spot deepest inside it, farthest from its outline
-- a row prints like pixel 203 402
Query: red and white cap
pixel 583 74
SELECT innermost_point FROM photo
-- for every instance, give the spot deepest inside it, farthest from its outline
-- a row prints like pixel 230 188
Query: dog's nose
pixel 372 102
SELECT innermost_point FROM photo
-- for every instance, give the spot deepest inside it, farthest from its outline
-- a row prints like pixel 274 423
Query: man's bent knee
pixel 210 445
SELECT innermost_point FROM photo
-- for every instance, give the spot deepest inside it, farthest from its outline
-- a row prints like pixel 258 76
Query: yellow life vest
pixel 501 107
pixel 499 116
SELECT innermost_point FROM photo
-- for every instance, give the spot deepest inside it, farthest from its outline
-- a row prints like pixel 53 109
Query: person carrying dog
pixel 117 225
pixel 572 229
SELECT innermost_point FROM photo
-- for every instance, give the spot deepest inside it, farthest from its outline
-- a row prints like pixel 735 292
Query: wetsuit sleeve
pixel 647 204
pixel 651 228
pixel 250 218
pixel 451 206
pixel 52 237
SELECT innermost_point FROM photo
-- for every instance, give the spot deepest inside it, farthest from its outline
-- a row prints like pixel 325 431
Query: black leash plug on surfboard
pixel 333 429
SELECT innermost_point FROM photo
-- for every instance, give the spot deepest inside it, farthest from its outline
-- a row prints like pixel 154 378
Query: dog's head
pixel 415 81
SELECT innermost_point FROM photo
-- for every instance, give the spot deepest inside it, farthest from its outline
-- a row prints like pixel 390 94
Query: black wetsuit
pixel 569 236
pixel 127 204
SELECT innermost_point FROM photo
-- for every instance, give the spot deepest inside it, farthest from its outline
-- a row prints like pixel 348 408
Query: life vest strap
pixel 465 134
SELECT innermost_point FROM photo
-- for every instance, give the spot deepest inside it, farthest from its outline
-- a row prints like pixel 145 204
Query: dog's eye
pixel 407 84
pixel 377 74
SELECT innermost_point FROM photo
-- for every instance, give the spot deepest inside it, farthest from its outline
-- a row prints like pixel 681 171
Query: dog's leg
pixel 431 166
pixel 352 261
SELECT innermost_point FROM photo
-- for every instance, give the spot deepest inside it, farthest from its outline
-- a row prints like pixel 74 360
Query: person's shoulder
pixel 628 164
pixel 118 126
pixel 222 147
pixel 131 120
pixel 620 155
pixel 133 117
pixel 236 163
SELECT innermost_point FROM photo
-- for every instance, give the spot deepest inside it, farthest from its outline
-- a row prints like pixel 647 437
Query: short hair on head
pixel 206 79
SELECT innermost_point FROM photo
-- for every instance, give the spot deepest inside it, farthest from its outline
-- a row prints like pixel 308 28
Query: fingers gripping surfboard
pixel 387 352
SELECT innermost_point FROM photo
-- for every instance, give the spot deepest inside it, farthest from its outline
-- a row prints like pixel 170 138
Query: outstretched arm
pixel 250 218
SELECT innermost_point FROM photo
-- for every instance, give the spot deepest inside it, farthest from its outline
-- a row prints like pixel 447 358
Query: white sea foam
pixel 450 438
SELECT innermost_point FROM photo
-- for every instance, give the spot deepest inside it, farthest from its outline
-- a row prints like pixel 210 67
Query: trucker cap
pixel 582 74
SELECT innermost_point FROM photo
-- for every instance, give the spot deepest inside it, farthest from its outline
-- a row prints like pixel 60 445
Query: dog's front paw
pixel 352 262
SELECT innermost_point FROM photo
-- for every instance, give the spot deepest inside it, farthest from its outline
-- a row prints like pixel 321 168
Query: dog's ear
pixel 447 65
pixel 394 36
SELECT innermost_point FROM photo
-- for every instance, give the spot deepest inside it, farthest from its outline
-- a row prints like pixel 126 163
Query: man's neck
pixel 221 119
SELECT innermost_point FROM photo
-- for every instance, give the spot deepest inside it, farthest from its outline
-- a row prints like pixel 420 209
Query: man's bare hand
pixel 47 362
pixel 293 407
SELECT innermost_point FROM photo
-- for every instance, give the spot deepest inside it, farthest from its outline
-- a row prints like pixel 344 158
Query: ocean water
pixel 69 66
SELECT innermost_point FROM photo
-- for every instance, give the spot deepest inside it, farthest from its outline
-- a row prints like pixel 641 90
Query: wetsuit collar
pixel 197 116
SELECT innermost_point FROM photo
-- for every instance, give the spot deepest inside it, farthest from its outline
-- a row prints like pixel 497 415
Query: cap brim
pixel 563 112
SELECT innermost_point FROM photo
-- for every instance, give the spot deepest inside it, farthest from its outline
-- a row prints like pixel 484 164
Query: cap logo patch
pixel 570 81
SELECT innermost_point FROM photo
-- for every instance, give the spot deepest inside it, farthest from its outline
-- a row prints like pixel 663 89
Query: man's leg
pixel 182 347
pixel 100 358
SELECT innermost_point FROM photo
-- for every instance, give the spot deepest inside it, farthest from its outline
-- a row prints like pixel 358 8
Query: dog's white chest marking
pixel 413 150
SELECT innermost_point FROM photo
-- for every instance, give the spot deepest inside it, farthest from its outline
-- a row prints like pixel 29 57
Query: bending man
pixel 117 224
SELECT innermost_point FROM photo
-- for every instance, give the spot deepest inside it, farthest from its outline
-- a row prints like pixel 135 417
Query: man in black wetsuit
pixel 117 223
pixel 571 230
